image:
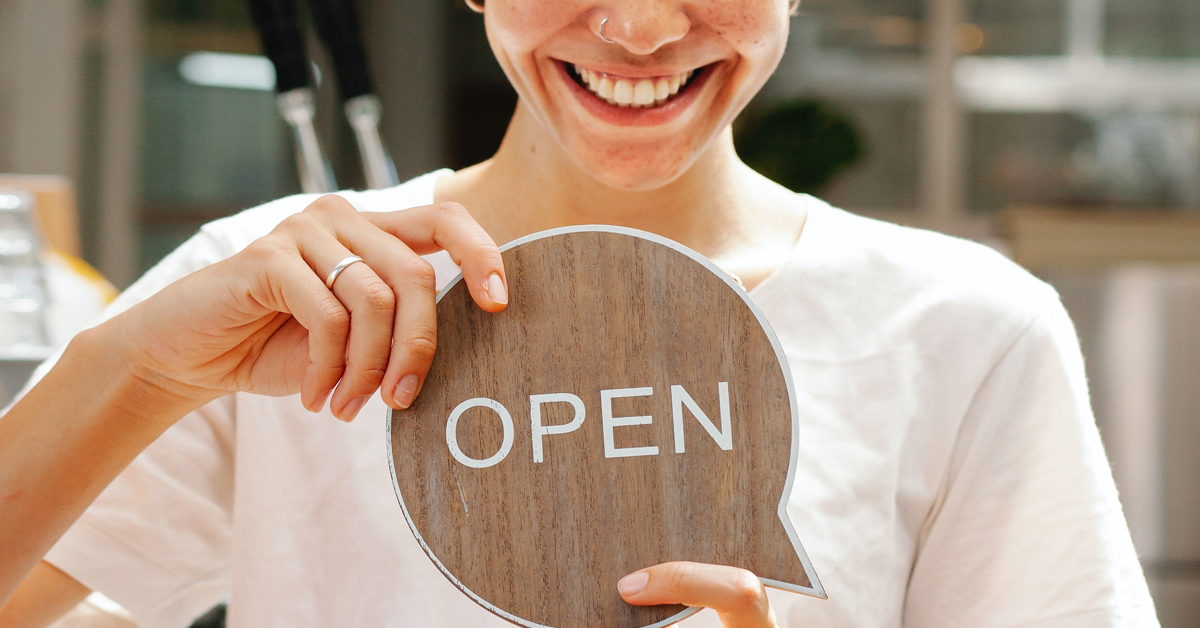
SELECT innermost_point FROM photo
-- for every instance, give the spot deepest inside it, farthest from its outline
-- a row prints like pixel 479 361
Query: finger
pixel 449 227
pixel 371 304
pixel 290 286
pixel 414 332
pixel 736 594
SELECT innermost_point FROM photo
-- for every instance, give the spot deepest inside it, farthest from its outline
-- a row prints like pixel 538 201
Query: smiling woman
pixel 730 47
pixel 949 472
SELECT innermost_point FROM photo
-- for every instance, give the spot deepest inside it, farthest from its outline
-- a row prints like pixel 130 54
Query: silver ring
pixel 337 270
pixel 601 31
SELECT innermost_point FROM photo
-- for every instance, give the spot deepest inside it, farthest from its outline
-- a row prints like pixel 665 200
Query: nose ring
pixel 601 32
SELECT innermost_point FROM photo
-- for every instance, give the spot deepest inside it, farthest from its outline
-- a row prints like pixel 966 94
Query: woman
pixel 952 472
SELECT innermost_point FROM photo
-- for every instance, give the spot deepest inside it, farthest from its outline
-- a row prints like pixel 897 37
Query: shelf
pixel 1059 237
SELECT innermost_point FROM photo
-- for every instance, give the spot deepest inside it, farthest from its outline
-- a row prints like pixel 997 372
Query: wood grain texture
pixel 545 543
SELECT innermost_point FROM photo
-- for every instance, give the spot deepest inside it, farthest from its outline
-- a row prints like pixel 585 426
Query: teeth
pixel 604 89
pixel 623 93
pixel 643 93
pixel 633 92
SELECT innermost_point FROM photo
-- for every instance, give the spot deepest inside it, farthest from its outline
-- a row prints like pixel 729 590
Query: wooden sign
pixel 630 407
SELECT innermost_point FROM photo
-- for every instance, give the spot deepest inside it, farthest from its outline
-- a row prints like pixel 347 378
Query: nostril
pixel 643 34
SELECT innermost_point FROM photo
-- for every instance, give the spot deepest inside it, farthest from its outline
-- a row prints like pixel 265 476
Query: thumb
pixel 735 594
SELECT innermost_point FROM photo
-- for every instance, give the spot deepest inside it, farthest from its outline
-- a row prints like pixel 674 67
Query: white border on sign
pixel 815 590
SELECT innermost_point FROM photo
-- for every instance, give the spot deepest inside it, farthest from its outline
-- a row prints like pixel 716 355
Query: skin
pixel 263 321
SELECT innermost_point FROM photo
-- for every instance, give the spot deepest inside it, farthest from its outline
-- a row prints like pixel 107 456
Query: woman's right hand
pixel 263 321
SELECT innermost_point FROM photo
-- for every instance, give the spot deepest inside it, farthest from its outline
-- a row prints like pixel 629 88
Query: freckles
pixel 531 17
pixel 743 21
pixel 636 160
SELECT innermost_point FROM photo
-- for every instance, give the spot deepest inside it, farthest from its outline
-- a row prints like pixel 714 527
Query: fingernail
pixel 633 583
pixel 406 390
pixel 495 289
pixel 352 408
pixel 319 402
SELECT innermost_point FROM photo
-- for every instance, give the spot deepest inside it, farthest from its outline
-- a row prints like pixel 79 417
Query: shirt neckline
pixel 814 214
pixel 813 217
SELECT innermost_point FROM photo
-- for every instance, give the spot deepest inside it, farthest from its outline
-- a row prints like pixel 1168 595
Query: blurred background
pixel 1065 133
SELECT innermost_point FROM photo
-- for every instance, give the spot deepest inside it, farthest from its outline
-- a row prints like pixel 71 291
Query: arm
pixel 262 321
pixel 65 441
pixel 42 598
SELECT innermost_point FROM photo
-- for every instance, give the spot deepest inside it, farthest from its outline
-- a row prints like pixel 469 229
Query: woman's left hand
pixel 736 594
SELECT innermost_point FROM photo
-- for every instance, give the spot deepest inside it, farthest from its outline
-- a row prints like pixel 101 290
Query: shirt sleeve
pixel 1028 530
pixel 158 539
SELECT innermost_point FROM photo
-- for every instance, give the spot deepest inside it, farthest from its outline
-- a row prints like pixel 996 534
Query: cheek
pixel 756 28
pixel 523 24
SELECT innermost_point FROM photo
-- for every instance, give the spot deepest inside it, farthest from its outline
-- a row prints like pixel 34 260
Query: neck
pixel 531 184
pixel 718 207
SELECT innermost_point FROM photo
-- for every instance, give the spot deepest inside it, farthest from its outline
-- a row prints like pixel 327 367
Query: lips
pixel 630 92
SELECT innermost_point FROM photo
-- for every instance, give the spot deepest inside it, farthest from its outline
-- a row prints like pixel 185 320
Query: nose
pixel 642 26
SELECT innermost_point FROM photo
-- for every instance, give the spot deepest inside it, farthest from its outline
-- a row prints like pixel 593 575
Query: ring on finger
pixel 337 270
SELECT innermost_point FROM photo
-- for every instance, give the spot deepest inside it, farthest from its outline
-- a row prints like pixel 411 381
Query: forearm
pixel 45 596
pixel 66 440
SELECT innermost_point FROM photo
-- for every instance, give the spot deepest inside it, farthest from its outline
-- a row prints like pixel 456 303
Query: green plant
pixel 800 144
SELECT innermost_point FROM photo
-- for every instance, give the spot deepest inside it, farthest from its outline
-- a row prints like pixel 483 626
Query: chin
pixel 636 180
pixel 635 170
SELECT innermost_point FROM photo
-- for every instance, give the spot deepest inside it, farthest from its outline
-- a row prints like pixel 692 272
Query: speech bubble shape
pixel 630 406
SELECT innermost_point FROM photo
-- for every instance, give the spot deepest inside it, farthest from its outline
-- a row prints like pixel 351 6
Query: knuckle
pixel 679 575
pixel 491 255
pixel 450 210
pixel 377 296
pixel 420 272
pixel 421 345
pixel 327 203
pixel 334 317
pixel 325 210
pixel 748 591
pixel 370 369
pixel 484 246
pixel 266 249
pixel 299 224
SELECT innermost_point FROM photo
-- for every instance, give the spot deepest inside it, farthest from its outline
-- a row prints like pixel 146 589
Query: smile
pixel 632 92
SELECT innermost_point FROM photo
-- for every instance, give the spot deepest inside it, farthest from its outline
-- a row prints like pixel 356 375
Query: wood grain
pixel 545 543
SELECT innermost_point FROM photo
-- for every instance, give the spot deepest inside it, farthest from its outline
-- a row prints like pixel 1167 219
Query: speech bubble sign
pixel 631 406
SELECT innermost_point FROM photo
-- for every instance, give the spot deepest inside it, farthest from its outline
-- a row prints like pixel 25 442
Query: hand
pixel 263 321
pixel 736 594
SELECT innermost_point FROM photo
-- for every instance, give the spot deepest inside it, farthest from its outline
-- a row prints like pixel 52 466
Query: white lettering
pixel 452 432
pixel 610 422
pixel 680 398
pixel 535 418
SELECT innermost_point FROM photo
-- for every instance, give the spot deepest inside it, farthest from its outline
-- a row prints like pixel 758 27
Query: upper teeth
pixel 633 92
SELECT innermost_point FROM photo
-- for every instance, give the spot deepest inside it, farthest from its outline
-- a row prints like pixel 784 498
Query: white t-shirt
pixel 950 469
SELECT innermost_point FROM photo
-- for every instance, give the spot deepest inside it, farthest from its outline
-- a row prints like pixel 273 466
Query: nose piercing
pixel 601 32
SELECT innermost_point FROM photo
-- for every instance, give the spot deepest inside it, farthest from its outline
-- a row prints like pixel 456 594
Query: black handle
pixel 338 26
pixel 282 41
